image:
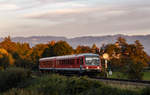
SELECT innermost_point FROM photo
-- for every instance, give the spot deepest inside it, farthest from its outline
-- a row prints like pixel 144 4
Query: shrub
pixel 78 85
pixel 12 77
pixel 133 70
pixel 22 92
pixel 146 91
pixel 60 85
pixel 53 84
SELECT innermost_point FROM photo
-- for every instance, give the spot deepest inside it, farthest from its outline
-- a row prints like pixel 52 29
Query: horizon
pixel 75 37
pixel 74 18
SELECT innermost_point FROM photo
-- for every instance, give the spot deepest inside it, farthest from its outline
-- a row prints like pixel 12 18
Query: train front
pixel 92 64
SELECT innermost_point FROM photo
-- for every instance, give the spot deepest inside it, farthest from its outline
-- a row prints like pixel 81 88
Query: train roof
pixel 68 56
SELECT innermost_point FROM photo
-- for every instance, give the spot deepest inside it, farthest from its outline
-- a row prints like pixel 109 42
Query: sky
pixel 74 18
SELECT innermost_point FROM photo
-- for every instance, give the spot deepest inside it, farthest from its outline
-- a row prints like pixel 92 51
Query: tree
pixel 23 56
pixel 49 50
pixel 8 45
pixel 123 55
pixel 95 49
pixel 57 49
pixel 83 49
pixel 133 70
pixel 37 52
pixel 62 48
pixel 121 41
pixel 5 59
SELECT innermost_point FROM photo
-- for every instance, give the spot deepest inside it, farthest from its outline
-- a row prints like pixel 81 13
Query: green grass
pixel 117 75
pixel 146 75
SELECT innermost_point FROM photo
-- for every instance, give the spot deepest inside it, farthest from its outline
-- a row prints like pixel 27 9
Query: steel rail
pixel 123 81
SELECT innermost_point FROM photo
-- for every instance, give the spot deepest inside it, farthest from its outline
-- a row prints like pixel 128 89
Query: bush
pixel 53 84
pixel 146 91
pixel 12 77
pixel 78 85
pixel 60 85
pixel 133 70
pixel 22 92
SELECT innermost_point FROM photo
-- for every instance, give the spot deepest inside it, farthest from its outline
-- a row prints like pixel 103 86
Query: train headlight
pixel 87 67
pixel 98 68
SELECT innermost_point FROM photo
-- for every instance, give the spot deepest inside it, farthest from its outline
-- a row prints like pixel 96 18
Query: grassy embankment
pixel 21 82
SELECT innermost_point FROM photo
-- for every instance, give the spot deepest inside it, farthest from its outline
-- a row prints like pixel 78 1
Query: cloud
pixel 75 18
pixel 110 19
pixel 48 14
pixel 7 6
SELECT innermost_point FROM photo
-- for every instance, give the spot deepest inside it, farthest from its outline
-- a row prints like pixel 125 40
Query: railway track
pixel 123 81
pixel 110 80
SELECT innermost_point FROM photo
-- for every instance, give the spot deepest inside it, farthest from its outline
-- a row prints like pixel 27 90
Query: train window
pixel 60 62
pixel 78 61
pixel 63 61
pixel 67 61
pixel 81 60
pixel 73 61
pixel 70 61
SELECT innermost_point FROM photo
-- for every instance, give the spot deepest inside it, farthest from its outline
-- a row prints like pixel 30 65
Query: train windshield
pixel 92 60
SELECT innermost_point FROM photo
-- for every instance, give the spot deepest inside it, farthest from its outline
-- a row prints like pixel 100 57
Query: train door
pixel 54 65
pixel 81 64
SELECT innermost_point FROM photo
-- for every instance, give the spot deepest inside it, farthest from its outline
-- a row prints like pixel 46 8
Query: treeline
pixel 22 55
pixel 121 54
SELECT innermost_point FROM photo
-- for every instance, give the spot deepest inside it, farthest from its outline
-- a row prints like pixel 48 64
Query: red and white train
pixel 86 63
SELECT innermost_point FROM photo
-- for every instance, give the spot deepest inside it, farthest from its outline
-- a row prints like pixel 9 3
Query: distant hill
pixel 87 40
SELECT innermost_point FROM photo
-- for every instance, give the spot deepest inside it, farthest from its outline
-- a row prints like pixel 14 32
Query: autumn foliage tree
pixel 23 55
pixel 62 48
pixel 95 49
pixel 124 55
pixel 57 49
pixel 8 45
pixel 21 52
pixel 48 51
pixel 5 59
pixel 83 49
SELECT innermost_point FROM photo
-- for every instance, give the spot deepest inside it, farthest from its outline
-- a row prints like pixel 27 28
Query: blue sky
pixel 73 18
